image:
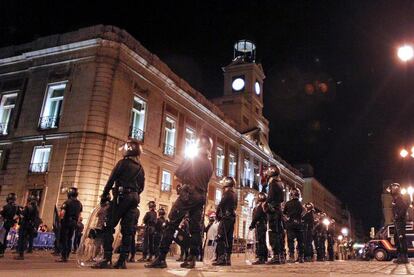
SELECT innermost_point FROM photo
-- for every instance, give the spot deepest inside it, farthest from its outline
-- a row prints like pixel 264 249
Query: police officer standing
pixel 8 213
pixel 69 214
pixel 134 235
pixel 294 225
pixel 195 175
pixel 259 223
pixel 227 216
pixel 273 209
pixel 399 210
pixel 308 221
pixel 320 234
pixel 150 219
pixel 159 230
pixel 28 217
pixel 330 237
pixel 126 182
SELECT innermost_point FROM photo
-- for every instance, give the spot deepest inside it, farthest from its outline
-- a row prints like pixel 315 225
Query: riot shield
pixel 90 250
pixel 210 244
pixel 2 231
pixel 250 247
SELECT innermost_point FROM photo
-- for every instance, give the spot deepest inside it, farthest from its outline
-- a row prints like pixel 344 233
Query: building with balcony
pixel 69 101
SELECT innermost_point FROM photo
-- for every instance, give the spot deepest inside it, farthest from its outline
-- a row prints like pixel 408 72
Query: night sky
pixel 351 134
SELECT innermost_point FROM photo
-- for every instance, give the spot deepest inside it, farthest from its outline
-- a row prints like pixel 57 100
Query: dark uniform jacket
pixel 399 208
pixel 308 220
pixel 8 213
pixel 275 195
pixel 160 225
pixel 128 174
pixel 259 219
pixel 72 208
pixel 227 205
pixel 150 220
pixel 196 174
pixel 293 210
pixel 29 217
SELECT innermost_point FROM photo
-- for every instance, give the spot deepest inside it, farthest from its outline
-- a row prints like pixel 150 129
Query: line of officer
pixel 69 214
pixel 227 216
pixel 293 210
pixel 159 230
pixel 126 182
pixel 195 175
pixel 28 216
pixel 308 222
pixel 273 209
pixel 8 214
pixel 399 211
pixel 259 223
pixel 150 219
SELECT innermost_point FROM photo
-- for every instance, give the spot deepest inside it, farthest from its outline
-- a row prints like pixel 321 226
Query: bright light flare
pixel 405 53
pixel 340 237
pixel 326 221
pixel 191 150
pixel 344 231
pixel 404 153
pixel 403 191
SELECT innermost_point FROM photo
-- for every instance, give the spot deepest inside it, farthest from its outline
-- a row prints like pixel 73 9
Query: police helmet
pixel 11 197
pixel 205 144
pixel 72 192
pixel 273 171
pixel 33 199
pixel 295 193
pixel 228 182
pixel 394 189
pixel 152 205
pixel 161 212
pixel 261 197
pixel 132 148
pixel 309 206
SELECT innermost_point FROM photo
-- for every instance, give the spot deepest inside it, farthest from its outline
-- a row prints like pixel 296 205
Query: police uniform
pixel 72 209
pixel 29 216
pixel 227 216
pixel 330 237
pixel 274 217
pixel 320 235
pixel 8 213
pixel 195 175
pixel 399 210
pixel 259 223
pixel 308 222
pixel 183 239
pixel 159 231
pixel 150 219
pixel 134 235
pixel 126 182
pixel 293 211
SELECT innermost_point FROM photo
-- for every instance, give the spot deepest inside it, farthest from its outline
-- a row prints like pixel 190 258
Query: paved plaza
pixel 41 263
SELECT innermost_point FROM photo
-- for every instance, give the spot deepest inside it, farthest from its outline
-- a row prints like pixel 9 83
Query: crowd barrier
pixel 43 240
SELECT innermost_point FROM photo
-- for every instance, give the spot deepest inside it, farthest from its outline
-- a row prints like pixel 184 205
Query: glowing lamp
pixel 403 153
pixel 191 150
pixel 405 53
pixel 326 221
pixel 344 231
pixel 340 237
pixel 403 191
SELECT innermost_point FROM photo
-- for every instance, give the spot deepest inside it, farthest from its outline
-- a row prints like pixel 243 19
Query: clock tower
pixel 243 91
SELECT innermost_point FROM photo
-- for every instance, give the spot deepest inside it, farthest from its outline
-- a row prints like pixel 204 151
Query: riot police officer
pixel 308 222
pixel 126 182
pixel 320 237
pixel 399 210
pixel 330 237
pixel 8 214
pixel 294 225
pixel 259 223
pixel 195 175
pixel 70 213
pixel 150 219
pixel 28 216
pixel 159 230
pixel 273 209
pixel 227 216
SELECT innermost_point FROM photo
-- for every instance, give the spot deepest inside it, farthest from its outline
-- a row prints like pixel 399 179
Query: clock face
pixel 238 84
pixel 257 88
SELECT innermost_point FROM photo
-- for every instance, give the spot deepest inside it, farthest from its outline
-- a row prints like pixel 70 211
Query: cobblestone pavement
pixel 42 264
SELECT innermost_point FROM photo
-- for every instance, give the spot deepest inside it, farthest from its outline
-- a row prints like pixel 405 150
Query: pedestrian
pixel 127 181
pixel 259 224
pixel 294 225
pixel 308 222
pixel 159 230
pixel 150 219
pixel 69 217
pixel 399 210
pixel 9 215
pixel 226 214
pixel 28 217
pixel 273 209
pixel 195 174
pixel 134 236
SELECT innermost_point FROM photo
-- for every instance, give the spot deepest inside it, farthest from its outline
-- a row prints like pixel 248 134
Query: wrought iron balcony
pixel 49 122
pixel 137 133
pixel 169 150
pixel 4 126
pixel 38 167
pixel 219 172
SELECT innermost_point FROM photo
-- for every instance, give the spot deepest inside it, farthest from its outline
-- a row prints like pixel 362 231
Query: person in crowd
pixel 150 219
pixel 9 215
pixel 259 224
pixel 294 225
pixel 28 218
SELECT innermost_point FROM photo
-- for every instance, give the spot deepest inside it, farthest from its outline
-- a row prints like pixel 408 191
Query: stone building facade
pixel 69 101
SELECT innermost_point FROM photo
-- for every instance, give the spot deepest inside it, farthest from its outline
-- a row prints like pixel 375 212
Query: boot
pixel 274 260
pixel 143 259
pixel 260 260
pixel 221 261
pixel 149 259
pixel 301 260
pixel 291 259
pixel 121 264
pixel 159 262
pixel 105 263
pixel 189 263
pixel 19 257
pixel 132 259
pixel 62 260
pixel 228 260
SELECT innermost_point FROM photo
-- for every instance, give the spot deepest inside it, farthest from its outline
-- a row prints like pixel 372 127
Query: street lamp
pixel 345 231
pixel 404 153
pixel 405 52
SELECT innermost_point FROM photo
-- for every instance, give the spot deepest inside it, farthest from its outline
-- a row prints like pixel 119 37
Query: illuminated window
pixel 138 119
pixel 246 173
pixel 52 107
pixel 166 181
pixel 7 104
pixel 169 142
pixel 219 194
pixel 40 159
pixel 219 162
pixel 232 165
pixel 190 140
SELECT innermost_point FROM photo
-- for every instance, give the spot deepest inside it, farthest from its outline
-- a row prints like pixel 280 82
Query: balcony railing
pixel 137 134
pixel 49 122
pixel 38 167
pixel 3 128
pixel 169 150
pixel 219 172
pixel 165 187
